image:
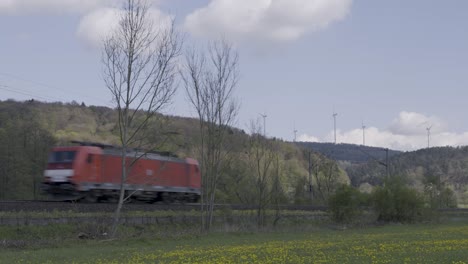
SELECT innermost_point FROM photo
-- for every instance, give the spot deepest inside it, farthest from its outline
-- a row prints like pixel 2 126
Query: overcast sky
pixel 398 67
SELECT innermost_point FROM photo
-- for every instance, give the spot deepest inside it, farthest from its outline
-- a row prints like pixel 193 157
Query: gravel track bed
pixel 41 206
pixel 47 206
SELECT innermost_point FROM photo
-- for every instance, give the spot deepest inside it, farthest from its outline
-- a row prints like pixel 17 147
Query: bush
pixel 437 194
pixel 344 204
pixel 395 202
pixel 448 198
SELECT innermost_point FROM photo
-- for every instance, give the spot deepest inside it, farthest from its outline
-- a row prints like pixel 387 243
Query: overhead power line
pixel 105 102
pixel 22 92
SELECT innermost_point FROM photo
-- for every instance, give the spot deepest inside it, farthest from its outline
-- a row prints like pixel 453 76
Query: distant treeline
pixel 349 152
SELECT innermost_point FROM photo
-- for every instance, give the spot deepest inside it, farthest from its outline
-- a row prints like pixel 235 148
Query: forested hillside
pixel 349 152
pixel 24 141
pixel 29 129
pixel 443 167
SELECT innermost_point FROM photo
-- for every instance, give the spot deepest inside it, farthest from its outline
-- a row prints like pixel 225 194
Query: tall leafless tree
pixel 210 79
pixel 262 158
pixel 139 69
pixel 326 177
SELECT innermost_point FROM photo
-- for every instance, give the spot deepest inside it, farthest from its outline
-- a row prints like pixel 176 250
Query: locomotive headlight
pixel 58 175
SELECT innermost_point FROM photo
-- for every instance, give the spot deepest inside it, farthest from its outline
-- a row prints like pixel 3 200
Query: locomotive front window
pixel 62 156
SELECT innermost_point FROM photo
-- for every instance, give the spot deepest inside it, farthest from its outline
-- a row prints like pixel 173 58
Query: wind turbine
pixel 428 135
pixel 294 131
pixel 334 123
pixel 264 123
pixel 363 134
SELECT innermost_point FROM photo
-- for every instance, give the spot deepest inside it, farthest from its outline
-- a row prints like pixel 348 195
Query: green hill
pixel 366 167
pixel 349 152
pixel 29 129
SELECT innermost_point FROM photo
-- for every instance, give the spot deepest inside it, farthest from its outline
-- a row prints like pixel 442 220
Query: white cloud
pixel 407 132
pixel 99 16
pixel 97 25
pixel 277 20
pixel 50 6
pixel 410 123
pixel 305 137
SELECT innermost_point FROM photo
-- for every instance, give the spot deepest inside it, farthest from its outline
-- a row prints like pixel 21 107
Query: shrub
pixel 437 194
pixel 448 198
pixel 396 202
pixel 344 204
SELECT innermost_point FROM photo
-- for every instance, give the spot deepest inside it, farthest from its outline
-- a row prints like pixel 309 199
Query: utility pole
pixel 334 123
pixel 295 134
pixel 310 176
pixel 386 163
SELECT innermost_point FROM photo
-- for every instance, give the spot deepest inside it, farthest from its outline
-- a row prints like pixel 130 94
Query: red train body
pixel 93 172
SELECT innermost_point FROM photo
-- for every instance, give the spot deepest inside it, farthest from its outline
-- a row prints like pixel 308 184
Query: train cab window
pixel 62 156
pixel 89 159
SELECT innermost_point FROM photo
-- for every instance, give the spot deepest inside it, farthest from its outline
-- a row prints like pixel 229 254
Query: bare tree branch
pixel 139 69
pixel 210 80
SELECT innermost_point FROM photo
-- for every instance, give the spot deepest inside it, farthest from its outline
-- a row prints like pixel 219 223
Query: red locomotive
pixel 92 172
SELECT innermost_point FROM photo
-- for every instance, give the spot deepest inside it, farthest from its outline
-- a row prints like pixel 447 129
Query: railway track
pixel 49 206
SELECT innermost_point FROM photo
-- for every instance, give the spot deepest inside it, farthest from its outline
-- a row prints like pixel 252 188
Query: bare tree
pixel 277 191
pixel 326 177
pixel 262 164
pixel 210 80
pixel 139 69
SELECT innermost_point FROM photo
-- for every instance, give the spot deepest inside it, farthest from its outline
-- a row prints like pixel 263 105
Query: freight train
pixel 92 172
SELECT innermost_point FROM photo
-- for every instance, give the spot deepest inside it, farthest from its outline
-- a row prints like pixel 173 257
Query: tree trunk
pixel 117 212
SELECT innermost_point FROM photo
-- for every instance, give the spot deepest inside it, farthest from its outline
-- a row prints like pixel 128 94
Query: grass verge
pixel 430 243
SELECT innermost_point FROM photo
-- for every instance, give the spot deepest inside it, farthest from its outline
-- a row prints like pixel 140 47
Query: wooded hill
pixel 29 129
pixel 445 167
pixel 349 152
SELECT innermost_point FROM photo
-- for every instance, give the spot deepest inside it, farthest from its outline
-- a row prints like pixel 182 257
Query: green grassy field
pixel 435 243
